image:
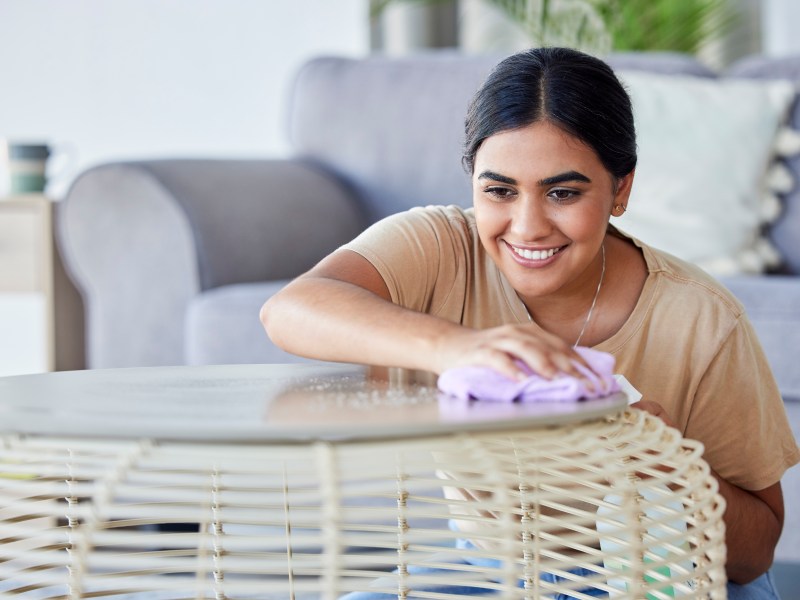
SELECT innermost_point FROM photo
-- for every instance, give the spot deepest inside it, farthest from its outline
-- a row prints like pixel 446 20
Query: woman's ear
pixel 623 191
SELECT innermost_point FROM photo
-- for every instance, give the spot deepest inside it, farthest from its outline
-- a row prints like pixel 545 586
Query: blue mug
pixel 26 163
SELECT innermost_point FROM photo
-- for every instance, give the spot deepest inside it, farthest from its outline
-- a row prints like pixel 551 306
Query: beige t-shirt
pixel 687 345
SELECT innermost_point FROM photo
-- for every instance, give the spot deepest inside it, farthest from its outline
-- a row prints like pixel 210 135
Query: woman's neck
pixel 599 308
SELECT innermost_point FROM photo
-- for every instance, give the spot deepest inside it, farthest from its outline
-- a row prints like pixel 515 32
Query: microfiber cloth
pixel 483 383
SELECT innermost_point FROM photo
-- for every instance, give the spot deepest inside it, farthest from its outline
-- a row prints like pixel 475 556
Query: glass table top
pixel 249 403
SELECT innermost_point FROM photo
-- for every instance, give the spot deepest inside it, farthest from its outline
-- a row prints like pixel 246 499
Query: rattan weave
pixel 621 496
pixel 81 517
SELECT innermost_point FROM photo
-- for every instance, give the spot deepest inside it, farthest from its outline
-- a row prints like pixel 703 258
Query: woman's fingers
pixel 504 363
pixel 550 356
pixel 516 350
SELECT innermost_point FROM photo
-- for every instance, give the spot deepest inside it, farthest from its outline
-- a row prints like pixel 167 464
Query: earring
pixel 619 209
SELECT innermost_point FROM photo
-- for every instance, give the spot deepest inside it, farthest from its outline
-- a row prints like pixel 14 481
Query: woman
pixel 535 269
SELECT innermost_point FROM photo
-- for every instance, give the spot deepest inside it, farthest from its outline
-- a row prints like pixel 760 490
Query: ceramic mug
pixel 26 166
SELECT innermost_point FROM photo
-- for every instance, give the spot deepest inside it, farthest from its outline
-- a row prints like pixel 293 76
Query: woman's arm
pixel 753 525
pixel 753 520
pixel 341 310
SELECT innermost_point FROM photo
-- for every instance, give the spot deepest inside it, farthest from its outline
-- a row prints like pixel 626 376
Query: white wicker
pixel 620 495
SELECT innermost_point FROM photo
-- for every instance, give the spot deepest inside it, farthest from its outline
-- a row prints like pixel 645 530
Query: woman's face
pixel 542 203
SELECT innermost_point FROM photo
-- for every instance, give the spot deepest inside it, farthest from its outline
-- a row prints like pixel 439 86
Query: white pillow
pixel 707 173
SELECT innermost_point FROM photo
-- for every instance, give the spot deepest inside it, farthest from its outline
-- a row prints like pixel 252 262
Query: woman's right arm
pixel 342 311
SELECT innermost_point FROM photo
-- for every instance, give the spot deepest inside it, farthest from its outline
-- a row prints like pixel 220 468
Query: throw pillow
pixel 708 172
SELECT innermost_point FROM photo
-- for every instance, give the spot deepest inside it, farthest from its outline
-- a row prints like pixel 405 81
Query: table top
pixel 258 403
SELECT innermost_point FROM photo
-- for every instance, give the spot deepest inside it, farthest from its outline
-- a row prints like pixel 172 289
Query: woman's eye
pixel 562 195
pixel 499 192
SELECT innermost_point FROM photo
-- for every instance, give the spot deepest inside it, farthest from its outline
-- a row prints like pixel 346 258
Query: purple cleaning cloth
pixel 483 383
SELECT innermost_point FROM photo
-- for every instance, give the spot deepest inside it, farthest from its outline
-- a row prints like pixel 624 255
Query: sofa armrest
pixel 141 239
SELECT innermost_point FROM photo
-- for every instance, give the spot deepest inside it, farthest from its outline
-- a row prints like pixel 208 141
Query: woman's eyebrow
pixel 497 177
pixel 566 176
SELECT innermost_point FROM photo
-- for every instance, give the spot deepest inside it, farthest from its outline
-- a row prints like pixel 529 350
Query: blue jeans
pixel 762 588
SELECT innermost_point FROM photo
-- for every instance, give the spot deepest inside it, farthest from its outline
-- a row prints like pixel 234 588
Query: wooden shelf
pixel 33 288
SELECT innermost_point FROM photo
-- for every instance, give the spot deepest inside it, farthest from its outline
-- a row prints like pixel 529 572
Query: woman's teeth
pixel 535 254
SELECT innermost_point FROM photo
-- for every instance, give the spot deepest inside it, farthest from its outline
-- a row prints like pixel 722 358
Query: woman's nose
pixel 530 220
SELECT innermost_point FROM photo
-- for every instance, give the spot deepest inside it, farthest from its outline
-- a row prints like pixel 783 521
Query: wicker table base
pixel 594 500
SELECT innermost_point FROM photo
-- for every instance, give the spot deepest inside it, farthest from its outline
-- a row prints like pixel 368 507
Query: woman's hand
pixel 512 350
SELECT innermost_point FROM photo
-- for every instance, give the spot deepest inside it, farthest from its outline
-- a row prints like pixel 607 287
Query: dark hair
pixel 574 91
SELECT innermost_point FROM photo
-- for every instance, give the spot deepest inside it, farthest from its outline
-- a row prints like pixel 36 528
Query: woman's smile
pixel 534 258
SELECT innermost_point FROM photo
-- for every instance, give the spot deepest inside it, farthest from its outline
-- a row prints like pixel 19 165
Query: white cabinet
pixel 27 328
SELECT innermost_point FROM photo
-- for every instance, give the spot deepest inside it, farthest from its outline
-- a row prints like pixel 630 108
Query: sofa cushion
pixel 700 190
pixel 784 232
pixel 223 327
pixel 773 305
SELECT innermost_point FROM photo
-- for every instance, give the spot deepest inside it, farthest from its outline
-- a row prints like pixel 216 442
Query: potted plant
pixel 598 26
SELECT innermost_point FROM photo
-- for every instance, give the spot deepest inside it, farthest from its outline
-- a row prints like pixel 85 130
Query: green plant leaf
pixel 668 25
pixel 597 26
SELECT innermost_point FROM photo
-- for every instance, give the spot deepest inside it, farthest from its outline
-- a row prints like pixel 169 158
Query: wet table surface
pixel 258 403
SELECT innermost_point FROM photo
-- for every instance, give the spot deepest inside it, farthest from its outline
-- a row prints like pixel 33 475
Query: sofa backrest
pixel 393 128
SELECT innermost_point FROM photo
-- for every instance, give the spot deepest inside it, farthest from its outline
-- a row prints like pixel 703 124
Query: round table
pixel 312 481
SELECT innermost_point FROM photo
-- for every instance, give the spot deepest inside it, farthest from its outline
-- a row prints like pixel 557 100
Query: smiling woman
pixel 535 268
pixel 548 212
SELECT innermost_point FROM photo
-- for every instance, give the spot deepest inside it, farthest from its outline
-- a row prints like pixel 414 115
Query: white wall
pixel 780 23
pixel 119 79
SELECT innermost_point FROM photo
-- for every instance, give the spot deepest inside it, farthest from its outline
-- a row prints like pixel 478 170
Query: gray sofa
pixel 175 257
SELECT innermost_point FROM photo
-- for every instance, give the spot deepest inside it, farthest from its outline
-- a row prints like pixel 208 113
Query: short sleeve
pixel 739 416
pixel 421 254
